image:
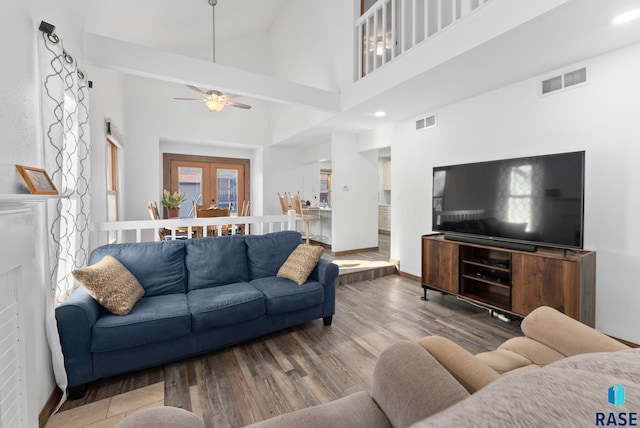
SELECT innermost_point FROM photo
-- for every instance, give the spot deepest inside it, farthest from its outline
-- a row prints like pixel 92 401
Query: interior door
pixel 207 181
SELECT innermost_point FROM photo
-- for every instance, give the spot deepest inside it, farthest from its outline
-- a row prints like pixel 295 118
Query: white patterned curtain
pixel 65 130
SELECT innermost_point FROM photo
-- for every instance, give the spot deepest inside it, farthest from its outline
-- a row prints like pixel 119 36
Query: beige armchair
pixel 549 336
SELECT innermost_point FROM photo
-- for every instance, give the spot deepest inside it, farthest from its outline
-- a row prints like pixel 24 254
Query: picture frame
pixel 37 180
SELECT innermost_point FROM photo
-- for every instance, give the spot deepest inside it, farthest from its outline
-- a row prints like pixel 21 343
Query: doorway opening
pixel 207 181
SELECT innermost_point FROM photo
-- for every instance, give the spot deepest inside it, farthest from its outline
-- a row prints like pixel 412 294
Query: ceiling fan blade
pixel 198 90
pixel 187 99
pixel 234 104
pixel 229 96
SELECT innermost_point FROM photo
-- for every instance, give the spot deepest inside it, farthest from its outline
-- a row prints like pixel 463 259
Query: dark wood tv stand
pixel 510 281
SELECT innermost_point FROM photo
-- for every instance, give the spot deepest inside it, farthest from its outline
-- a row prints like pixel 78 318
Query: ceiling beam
pixel 138 60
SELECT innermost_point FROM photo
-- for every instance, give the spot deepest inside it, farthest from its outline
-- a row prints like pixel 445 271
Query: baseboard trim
pixel 49 407
pixel 626 342
pixel 410 276
pixel 360 250
pixel 320 244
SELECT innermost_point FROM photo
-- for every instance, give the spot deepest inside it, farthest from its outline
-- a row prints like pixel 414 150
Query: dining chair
pixel 243 212
pixel 284 205
pixel 163 232
pixel 200 212
pixel 307 217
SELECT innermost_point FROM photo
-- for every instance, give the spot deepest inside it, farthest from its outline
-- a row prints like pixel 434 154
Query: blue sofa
pixel 200 295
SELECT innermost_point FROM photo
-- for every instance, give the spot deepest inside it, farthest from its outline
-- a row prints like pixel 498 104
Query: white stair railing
pixel 254 225
pixel 391 27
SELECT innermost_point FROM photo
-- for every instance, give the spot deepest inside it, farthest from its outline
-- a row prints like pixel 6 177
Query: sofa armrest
pixel 472 373
pixel 326 273
pixel 75 318
pixel 566 335
pixel 409 384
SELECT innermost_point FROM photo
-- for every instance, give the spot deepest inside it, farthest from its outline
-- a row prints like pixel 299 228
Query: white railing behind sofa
pixel 255 225
pixel 390 27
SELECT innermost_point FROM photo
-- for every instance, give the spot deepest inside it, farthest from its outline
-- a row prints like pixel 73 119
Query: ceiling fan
pixel 214 100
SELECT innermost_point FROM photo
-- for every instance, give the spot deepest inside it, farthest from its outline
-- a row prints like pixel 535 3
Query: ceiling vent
pixel 564 81
pixel 427 122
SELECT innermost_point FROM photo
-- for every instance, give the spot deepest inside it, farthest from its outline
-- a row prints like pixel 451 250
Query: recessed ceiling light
pixel 380 114
pixel 627 16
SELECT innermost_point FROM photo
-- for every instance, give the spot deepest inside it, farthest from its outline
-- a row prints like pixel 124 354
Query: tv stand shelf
pixel 511 281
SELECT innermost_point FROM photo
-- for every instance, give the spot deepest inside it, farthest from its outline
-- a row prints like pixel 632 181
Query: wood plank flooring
pixel 311 364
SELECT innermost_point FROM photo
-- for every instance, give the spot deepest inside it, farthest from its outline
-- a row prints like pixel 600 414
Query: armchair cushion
pixel 355 410
pixel 550 336
pixel 409 384
pixel 566 335
pixel 568 392
pixel 472 373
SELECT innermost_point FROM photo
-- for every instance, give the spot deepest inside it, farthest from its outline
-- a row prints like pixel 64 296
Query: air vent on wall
pixel 426 122
pixel 564 81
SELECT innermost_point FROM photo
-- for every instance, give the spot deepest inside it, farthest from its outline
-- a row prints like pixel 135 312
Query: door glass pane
pixel 189 183
pixel 227 184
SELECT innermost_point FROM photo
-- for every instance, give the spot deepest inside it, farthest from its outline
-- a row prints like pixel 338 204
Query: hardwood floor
pixel 311 364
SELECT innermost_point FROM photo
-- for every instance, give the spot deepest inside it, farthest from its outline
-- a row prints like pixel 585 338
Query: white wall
pixel 18 96
pixel 307 46
pixel 22 144
pixel 600 118
pixel 354 194
pixel 284 172
pixel 106 102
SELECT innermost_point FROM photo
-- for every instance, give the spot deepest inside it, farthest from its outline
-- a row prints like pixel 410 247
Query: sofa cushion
pixel 224 305
pixel 217 260
pixel 283 295
pixel 158 266
pixel 111 285
pixel 153 319
pixel 266 253
pixel 300 263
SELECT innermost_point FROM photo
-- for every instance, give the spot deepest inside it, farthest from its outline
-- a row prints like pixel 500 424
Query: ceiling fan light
pixel 214 105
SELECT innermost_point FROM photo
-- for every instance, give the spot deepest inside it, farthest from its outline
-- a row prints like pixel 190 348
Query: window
pixel 325 187
pixel 112 187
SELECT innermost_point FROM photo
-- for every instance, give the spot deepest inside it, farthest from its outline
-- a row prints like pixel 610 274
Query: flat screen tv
pixel 517 203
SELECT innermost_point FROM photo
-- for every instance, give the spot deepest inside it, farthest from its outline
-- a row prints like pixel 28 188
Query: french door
pixel 207 181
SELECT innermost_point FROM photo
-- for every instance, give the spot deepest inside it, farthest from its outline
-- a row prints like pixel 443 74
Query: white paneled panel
pixel 10 371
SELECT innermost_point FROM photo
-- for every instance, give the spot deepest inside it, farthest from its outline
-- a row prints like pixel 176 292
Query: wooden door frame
pixel 167 158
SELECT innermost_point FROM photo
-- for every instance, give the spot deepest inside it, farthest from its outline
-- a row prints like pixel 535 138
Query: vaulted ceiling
pixel 573 31
pixel 179 26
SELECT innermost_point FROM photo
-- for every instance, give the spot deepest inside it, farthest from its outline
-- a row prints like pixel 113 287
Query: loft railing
pixel 391 27
pixel 254 225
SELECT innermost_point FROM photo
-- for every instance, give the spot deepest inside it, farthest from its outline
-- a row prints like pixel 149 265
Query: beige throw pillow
pixel 111 284
pixel 300 263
